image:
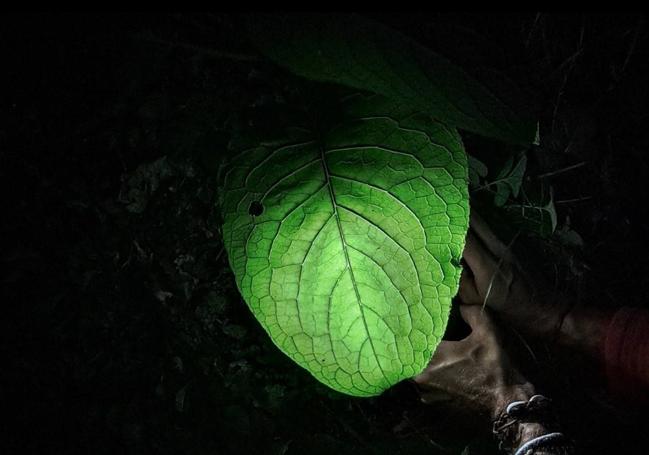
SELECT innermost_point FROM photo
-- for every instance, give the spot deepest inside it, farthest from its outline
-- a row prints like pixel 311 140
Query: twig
pixel 532 29
pixel 570 201
pixel 631 48
pixel 570 60
pixel 220 253
pixel 191 22
pixel 526 344
pixel 561 171
pixel 495 274
pixel 216 53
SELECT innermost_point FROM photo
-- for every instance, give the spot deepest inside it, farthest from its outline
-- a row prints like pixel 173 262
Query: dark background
pixel 121 327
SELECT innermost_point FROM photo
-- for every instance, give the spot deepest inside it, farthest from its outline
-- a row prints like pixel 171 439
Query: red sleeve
pixel 626 355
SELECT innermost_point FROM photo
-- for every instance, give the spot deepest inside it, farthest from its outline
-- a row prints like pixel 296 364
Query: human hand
pixel 475 371
pixel 477 374
pixel 494 278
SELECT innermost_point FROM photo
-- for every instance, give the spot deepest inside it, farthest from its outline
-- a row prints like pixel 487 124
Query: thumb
pixel 479 259
pixel 445 351
pixel 475 316
pixel 489 239
pixel 467 291
pixel 428 382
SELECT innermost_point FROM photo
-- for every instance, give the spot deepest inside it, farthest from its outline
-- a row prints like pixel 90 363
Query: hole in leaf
pixel 255 208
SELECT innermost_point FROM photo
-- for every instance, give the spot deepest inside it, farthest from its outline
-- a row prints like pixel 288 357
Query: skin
pixel 531 306
pixel 488 380
pixel 478 373
pixel 476 370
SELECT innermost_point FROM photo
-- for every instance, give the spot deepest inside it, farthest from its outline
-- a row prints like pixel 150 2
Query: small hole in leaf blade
pixel 255 208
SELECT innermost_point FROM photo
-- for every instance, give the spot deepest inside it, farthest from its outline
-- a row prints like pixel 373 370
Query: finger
pixel 445 350
pixel 480 261
pixel 488 238
pixel 475 316
pixel 467 291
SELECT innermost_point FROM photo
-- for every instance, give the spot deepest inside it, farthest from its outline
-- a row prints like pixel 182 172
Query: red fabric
pixel 626 355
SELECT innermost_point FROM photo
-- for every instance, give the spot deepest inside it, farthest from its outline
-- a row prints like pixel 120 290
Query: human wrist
pixel 536 310
pixel 551 309
pixel 583 329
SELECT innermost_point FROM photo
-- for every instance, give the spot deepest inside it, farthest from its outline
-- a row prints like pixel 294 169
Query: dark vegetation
pixel 122 329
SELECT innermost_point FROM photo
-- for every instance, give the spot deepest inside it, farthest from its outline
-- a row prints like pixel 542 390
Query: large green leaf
pixel 346 244
pixel 357 52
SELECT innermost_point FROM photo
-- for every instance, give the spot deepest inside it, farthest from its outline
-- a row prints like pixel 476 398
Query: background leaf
pixel 477 170
pixel 509 180
pixel 536 213
pixel 360 53
pixel 353 261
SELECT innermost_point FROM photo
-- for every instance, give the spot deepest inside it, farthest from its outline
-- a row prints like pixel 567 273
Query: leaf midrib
pixel 334 205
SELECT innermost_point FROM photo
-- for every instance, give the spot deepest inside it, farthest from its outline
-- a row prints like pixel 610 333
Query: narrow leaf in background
pixel 360 53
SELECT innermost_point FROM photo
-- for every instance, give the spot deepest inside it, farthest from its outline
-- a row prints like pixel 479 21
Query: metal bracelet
pixel 535 410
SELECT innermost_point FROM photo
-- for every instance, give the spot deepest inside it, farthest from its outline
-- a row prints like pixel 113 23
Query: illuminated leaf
pixel 346 241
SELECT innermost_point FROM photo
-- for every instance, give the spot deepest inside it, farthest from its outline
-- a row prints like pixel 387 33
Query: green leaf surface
pixel 509 180
pixel 346 244
pixel 360 53
pixel 477 170
pixel 537 214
